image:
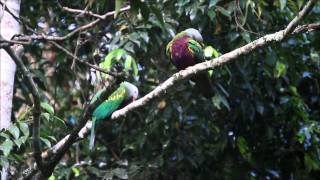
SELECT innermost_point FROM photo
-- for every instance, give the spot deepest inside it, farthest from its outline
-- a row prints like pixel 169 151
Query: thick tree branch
pixel 61 147
pixel 294 23
pixel 79 29
pixel 183 74
pixel 36 109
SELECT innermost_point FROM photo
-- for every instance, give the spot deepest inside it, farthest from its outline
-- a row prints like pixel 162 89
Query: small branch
pixel 78 44
pixel 293 24
pixel 307 28
pixel 36 109
pixel 79 29
pixel 54 149
pixel 12 42
pixel 84 62
pixel 82 12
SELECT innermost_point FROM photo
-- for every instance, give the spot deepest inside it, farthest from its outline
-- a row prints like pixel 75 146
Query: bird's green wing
pixel 196 49
pixel 110 105
pixel 105 109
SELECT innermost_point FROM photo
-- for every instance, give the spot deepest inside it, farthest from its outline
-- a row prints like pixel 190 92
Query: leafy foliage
pixel 263 122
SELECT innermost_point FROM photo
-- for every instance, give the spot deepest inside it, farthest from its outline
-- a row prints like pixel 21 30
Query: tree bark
pixel 9 26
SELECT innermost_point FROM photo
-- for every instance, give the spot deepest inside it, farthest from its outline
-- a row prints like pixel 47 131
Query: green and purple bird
pixel 186 49
pixel 125 94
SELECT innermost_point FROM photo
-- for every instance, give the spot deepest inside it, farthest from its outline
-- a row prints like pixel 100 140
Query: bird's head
pixel 194 34
pixel 133 91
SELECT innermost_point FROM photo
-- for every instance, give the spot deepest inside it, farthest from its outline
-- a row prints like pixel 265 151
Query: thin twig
pixel 307 28
pixel 82 61
pixel 82 12
pixel 76 49
pixel 79 29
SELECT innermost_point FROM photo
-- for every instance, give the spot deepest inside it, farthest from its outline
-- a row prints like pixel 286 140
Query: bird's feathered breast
pixel 184 51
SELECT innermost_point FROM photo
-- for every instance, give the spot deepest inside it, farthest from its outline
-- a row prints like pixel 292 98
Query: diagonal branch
pixel 79 29
pixel 61 147
pixel 82 12
pixel 36 109
pixel 183 74
pixel 294 23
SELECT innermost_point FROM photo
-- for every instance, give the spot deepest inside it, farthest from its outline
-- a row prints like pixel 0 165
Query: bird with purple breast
pixel 186 49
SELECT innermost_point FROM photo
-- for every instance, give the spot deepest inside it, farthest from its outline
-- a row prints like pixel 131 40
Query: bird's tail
pixel 92 135
pixel 204 84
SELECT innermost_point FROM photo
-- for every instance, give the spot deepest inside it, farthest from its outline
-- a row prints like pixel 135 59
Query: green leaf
pixel 224 11
pixel 159 16
pixel 120 173
pixel 128 62
pixel 212 3
pixel 218 99
pixel 112 57
pixel 210 52
pixel 14 130
pixel 4 162
pixel 283 4
pixel 280 70
pixel 46 142
pixel 52 177
pixel 6 147
pixel 47 107
pixel 59 119
pixel 46 116
pixel 24 128
pixel 4 135
pixel 76 171
pixel 135 68
pixel 243 148
pixel 311 162
pixel 211 14
pixel 20 141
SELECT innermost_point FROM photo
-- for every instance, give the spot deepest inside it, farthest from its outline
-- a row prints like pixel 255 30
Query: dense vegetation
pixel 262 123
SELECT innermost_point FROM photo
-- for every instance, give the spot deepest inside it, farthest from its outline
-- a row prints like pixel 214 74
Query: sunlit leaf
pixel 46 141
pixel 14 130
pixel 24 128
pixel 280 69
pixel 6 147
pixel 47 107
